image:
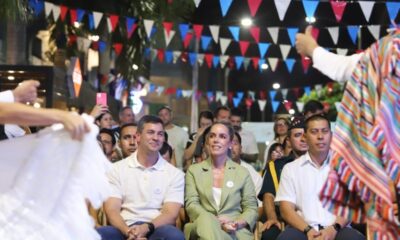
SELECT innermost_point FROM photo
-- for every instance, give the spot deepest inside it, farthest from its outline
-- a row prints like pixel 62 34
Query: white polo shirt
pixel 300 183
pixel 144 190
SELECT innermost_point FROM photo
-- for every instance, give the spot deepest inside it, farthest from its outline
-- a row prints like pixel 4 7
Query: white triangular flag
pixel 97 16
pixel 261 104
pixel 176 55
pixel 337 105
pixel 342 51
pixel 168 38
pixel 224 44
pixel 200 58
pixel 334 32
pixel 160 90
pixel 300 106
pixel 224 99
pixel 375 30
pixel 187 93
pixel 153 54
pixel 273 62
pixel 56 12
pixel 109 25
pixel 223 60
pixel 246 63
pixel 197 2
pixel 366 8
pixel 214 29
pixel 285 49
pixel 284 92
pixel 252 95
pixel 218 95
pixel 318 88
pixel 281 7
pixel 47 8
pixel 148 26
pixel 273 31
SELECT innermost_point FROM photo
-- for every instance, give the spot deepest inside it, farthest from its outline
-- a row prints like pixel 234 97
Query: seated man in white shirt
pixel 147 191
pixel 299 188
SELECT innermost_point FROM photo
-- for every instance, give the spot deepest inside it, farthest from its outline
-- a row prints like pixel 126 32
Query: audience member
pixel 127 140
pixel 281 126
pixel 104 120
pixel 107 140
pixel 313 107
pixel 222 114
pixel 126 116
pixel 275 152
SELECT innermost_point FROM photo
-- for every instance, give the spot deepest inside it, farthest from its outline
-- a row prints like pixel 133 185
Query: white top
pixel 217 195
pixel 300 183
pixel 256 177
pixel 249 143
pixel 10 130
pixel 144 190
pixel 266 153
pixel 336 67
pixel 178 138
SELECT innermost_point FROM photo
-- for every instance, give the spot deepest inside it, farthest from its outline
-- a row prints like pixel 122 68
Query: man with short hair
pixel 147 191
pixel 300 185
pixel 272 227
pixel 107 140
pixel 222 114
pixel 127 139
pixel 313 107
pixel 177 137
pixel 126 116
pixel 249 143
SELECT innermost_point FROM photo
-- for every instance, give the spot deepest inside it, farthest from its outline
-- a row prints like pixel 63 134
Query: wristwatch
pixel 337 227
pixel 307 229
pixel 151 228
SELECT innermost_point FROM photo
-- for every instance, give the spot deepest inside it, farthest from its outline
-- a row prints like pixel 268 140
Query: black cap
pixel 296 122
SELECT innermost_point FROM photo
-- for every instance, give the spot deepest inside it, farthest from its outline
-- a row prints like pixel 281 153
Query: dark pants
pixel 346 233
pixel 165 232
pixel 271 233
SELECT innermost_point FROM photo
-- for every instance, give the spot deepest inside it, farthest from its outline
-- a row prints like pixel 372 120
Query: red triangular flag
pixel 130 32
pixel 170 90
pixel 63 10
pixel 114 21
pixel 208 57
pixel 315 32
pixel 160 55
pixel 255 32
pixel 118 48
pixel 305 61
pixel 338 9
pixel 288 105
pixel 187 40
pixel 243 47
pixel 72 16
pixel 248 102
pixel 168 27
pixel 255 62
pixel 197 28
pixel 253 5
pixel 231 63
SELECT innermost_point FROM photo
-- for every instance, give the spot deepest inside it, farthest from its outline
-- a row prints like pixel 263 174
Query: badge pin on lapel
pixel 229 184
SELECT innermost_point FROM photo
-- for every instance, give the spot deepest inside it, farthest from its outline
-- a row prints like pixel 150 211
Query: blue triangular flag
pixel 236 102
pixel 289 64
pixel 310 7
pixel 205 41
pixel 235 32
pixel 263 48
pixel 238 61
pixel 215 61
pixel 147 52
pixel 102 46
pixel 307 90
pixel 292 35
pixel 152 87
pixel 240 95
pixel 168 56
pixel 272 94
pixel 178 93
pixel 153 31
pixel 192 58
pixel 393 9
pixel 129 23
pixel 353 32
pixel 91 21
pixel 183 29
pixel 210 95
pixel 260 63
pixel 79 14
pixel 225 4
pixel 275 105
pixel 36 6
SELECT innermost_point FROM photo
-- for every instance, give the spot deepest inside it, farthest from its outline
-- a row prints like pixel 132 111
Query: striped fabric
pixel 366 143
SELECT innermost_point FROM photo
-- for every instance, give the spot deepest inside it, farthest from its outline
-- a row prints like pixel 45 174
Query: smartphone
pixel 101 98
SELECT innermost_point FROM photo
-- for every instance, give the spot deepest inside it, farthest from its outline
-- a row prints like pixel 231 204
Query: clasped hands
pixel 228 225
pixel 137 232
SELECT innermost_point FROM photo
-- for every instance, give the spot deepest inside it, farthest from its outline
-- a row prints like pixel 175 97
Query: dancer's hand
pixel 305 43
pixel 74 124
pixel 26 91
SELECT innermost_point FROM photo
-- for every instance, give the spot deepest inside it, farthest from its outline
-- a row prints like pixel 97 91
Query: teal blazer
pixel 238 197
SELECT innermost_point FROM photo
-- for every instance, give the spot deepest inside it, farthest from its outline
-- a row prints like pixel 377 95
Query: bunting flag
pixel 273 63
pixel 208 57
pixel 334 32
pixel 218 95
pixel 183 29
pixel 272 94
pixel 176 55
pixel 224 100
pixel 56 12
pixel 223 60
pixel 198 29
pixel 281 7
pixel 288 105
pixel 118 48
pixel 214 29
pixel 292 35
pixel 289 64
pixel 338 9
pixel 160 55
pixel 197 3
pixel 253 6
pixel 240 95
pixel 366 7
pixel 91 21
pixel 47 9
pixel 255 33
pixel 148 26
pixel 97 16
pixel 187 40
pixel 63 10
pixel 73 16
pixel 236 102
pixel 318 89
pixel 307 90
pixel 130 26
pixel 79 14
pixel 215 61
pixel 261 104
pixel 224 44
pixel 263 48
pixel 275 105
pixel 305 62
pixel 300 106
pixel 315 33
pixel 167 27
pixel 238 61
pixel 393 9
pixel 244 45
pixel 353 30
pixel 252 95
pixel 235 32
pixel 375 31
pixel 168 37
pixel 114 21
pixel 248 102
pixel 273 32
pixel 285 49
pixel 225 5
pixel 246 63
pixel 200 58
pixel 261 62
pixel 205 41
pixel 169 56
pixel 255 61
pixel 284 92
pixel 192 58
pixel 310 7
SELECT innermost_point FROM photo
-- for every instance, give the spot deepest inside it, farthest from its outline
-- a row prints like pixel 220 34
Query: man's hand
pixel 313 234
pixel 328 233
pixel 137 232
pixel 270 223
pixel 26 91
pixel 305 43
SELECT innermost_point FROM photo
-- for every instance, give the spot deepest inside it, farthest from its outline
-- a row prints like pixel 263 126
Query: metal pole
pixel 195 105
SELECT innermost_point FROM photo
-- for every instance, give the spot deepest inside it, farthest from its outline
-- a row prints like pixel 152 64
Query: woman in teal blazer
pixel 219 195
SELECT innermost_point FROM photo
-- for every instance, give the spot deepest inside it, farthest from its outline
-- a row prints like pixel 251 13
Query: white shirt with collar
pixel 300 183
pixel 143 191
pixel 10 130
